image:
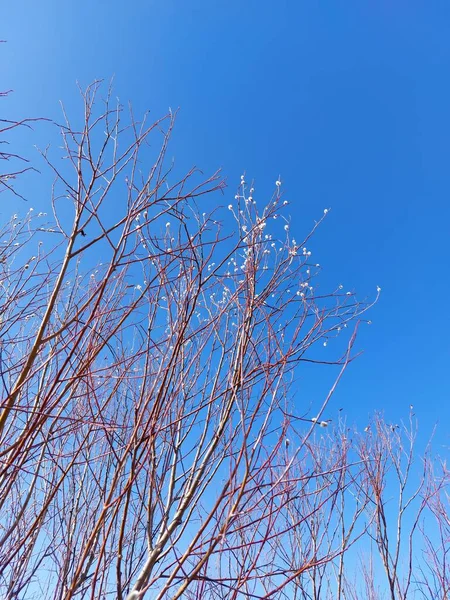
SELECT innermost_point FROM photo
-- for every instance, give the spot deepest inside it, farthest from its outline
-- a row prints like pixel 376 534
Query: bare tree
pixel 155 438
pixel 404 492
pixel 149 343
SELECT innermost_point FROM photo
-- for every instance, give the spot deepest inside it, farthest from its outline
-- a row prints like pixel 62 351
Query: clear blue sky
pixel 348 101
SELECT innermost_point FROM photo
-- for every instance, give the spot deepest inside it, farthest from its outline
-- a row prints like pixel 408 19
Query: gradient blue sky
pixel 348 101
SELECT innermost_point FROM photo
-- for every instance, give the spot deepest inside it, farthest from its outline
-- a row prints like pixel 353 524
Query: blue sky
pixel 347 101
